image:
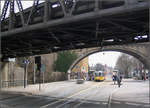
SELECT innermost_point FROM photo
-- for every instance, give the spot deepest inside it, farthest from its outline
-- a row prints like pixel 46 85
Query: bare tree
pixel 124 64
pixel 137 65
pixel 127 63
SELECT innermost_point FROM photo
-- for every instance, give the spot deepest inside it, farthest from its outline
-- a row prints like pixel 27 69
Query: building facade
pixel 80 71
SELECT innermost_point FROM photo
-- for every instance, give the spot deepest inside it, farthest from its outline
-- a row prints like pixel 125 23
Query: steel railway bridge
pixel 57 25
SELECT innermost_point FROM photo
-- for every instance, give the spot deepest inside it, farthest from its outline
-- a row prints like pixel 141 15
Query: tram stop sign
pixel 42 68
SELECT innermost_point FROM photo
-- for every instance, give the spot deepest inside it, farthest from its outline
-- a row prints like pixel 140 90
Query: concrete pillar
pixel 3 74
pixel 34 71
pixel 0 76
pixel 149 67
pixel 148 52
pixel 69 71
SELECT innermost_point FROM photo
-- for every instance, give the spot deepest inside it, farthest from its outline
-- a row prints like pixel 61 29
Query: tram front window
pixel 100 74
pixel 96 74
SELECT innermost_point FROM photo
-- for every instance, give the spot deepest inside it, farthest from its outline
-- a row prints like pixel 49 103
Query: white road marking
pixel 65 103
pixel 132 104
pixel 104 103
pixel 79 92
pixel 117 102
pixel 76 106
pixel 110 98
pixel 147 105
pixel 51 103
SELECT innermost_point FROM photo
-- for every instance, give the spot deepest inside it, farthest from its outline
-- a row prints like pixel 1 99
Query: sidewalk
pixel 133 91
pixel 49 88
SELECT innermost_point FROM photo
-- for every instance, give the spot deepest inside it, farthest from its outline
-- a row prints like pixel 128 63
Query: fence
pixel 7 84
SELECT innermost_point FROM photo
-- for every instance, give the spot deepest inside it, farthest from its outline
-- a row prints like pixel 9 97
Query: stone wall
pixel 11 74
pixel 49 75
pixel 3 73
pixel 140 51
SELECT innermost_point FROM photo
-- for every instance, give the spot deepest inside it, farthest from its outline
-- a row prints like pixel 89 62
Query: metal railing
pixel 7 84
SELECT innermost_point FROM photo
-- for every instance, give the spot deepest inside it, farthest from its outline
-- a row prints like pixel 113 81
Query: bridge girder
pixel 59 25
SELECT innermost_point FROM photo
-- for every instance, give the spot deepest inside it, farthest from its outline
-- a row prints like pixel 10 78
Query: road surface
pixel 68 94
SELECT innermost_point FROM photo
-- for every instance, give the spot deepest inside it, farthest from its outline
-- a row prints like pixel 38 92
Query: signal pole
pixel 26 62
pixel 34 78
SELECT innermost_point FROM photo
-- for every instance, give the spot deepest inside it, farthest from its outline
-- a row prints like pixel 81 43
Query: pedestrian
pixel 118 81
pixel 114 79
pixel 142 77
pixel 120 78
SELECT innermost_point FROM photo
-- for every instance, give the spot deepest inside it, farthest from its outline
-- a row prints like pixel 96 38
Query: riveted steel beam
pixel 96 5
pixel 63 7
pixel 121 26
pixel 11 15
pixel 20 7
pixel 75 18
pixel 35 4
pixel 4 11
pixel 47 10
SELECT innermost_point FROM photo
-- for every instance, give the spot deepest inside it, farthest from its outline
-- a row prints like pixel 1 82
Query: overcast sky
pixel 109 58
pixel 25 3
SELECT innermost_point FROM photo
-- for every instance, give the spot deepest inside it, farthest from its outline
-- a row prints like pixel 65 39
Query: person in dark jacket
pixel 114 79
pixel 118 81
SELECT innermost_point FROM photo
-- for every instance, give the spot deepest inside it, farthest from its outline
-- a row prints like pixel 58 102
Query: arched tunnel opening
pixel 138 55
pixel 131 84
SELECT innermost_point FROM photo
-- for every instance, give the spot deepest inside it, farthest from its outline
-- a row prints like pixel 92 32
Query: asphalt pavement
pixel 68 94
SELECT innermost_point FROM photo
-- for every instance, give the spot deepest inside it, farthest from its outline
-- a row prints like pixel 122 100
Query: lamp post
pixel 26 62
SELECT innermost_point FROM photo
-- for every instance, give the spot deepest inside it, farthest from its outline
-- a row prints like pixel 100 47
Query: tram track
pixel 110 98
pixel 66 101
pixel 93 95
pixel 71 101
pixel 108 103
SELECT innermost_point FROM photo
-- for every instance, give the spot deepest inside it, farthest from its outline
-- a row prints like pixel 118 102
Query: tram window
pixel 99 74
pixel 96 74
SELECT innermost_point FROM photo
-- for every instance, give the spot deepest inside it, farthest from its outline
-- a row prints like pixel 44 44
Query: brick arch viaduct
pixel 139 51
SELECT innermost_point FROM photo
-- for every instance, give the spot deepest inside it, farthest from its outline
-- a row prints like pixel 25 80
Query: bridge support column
pixel 0 76
pixel 69 72
pixel 148 51
pixel 3 74
pixel 149 64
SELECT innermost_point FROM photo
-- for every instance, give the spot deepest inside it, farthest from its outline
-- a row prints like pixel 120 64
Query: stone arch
pixel 124 49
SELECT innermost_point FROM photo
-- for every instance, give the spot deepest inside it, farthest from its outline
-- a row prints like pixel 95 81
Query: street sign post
pixel 26 62
pixel 42 71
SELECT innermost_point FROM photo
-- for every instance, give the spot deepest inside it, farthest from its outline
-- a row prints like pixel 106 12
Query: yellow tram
pixel 99 76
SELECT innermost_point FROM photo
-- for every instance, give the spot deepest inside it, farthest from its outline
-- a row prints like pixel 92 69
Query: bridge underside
pixel 86 29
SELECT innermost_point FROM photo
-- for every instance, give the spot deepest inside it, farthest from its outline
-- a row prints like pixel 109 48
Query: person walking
pixel 120 78
pixel 118 81
pixel 114 79
pixel 142 77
